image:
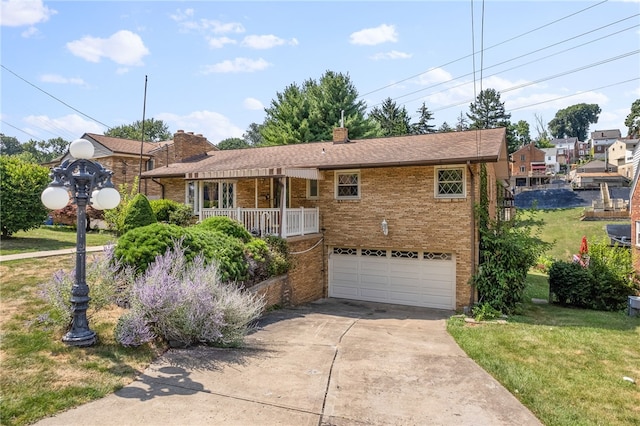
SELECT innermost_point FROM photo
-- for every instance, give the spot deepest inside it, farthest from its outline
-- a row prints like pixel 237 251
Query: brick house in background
pixel 386 219
pixel 529 167
pixel 565 149
pixel 124 156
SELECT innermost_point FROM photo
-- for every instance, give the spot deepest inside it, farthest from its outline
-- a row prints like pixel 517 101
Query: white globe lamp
pixel 55 197
pixel 81 149
pixel 108 198
pixel 94 200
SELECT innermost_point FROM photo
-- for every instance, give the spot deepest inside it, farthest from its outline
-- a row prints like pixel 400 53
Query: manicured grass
pixel 50 238
pixel 41 375
pixel 565 228
pixel 566 365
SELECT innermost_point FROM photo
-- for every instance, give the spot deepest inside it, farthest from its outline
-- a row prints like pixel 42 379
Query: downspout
pixel 473 233
pixel 161 186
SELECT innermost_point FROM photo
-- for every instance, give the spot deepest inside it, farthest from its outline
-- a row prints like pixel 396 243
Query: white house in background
pixel 620 154
pixel 565 147
pixel 551 160
pixel 603 139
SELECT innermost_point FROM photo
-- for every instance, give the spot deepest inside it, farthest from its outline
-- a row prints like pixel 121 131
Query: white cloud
pixel 16 13
pixel 372 36
pixel 58 79
pixel 253 104
pixel 237 65
pixel 123 48
pixel 186 21
pixel 394 54
pixel 554 101
pixel 30 32
pixel 265 41
pixel 214 126
pixel 434 75
pixel 219 42
pixel 68 126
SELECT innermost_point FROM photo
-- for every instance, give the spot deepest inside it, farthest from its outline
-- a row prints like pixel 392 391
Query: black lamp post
pixel 84 182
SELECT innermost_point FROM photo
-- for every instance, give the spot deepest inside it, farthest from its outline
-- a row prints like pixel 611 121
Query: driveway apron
pixel 331 362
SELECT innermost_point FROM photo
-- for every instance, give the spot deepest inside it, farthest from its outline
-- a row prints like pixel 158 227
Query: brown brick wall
pixel 306 278
pixel 188 144
pixel 531 154
pixel 635 216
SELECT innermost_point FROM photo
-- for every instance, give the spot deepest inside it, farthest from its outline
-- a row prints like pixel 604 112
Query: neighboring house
pixel 529 167
pixel 551 160
pixel 601 140
pixel 634 211
pixel 387 219
pixel 620 154
pixel 566 148
pixel 594 173
pixel 128 158
pixel 582 150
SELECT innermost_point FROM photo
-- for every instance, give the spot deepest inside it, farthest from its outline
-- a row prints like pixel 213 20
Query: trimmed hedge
pixel 227 226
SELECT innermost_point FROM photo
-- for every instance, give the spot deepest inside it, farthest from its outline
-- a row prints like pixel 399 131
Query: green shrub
pixel 115 217
pixel 139 247
pixel 280 261
pixel 227 226
pixel 570 284
pixel 485 312
pixel 604 285
pixel 138 214
pixel 170 211
pixel 227 251
pixel 258 258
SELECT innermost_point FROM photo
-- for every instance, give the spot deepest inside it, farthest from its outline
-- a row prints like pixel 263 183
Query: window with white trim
pixel 450 182
pixel 347 184
pixel 312 189
pixel 638 233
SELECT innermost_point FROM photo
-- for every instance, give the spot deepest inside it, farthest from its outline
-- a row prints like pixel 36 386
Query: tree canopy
pixel 392 119
pixel 633 120
pixel 310 112
pixel 154 131
pixel 21 184
pixel 33 151
pixel 487 112
pixel 233 143
pixel 574 121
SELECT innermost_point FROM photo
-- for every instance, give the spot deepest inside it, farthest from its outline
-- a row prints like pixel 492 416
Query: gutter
pixel 161 186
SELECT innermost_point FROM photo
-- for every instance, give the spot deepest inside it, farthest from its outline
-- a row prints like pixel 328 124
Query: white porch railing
pixel 299 221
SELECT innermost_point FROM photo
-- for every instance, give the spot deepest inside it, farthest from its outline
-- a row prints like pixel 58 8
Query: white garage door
pixel 404 277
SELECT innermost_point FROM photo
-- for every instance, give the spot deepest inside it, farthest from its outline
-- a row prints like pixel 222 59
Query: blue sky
pixel 70 67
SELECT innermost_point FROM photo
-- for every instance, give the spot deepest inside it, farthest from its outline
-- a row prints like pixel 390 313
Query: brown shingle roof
pixel 126 146
pixel 431 149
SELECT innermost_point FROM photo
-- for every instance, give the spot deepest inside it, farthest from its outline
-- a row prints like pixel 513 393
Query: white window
pixel 347 185
pixel 523 169
pixel 638 233
pixel 450 182
pixel 312 189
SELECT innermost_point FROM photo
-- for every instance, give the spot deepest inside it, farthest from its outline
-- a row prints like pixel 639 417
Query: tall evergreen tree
pixel 310 112
pixel 462 123
pixel 392 119
pixel 487 112
pixel 444 128
pixel 423 126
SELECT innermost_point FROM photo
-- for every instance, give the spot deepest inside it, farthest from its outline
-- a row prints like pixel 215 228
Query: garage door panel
pixel 416 281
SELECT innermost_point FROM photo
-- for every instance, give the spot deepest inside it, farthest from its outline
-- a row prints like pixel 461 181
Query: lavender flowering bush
pixel 109 282
pixel 184 303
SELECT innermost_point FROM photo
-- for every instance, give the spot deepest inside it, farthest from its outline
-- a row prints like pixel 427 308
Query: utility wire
pixel 488 48
pixel 520 86
pixel 537 60
pixel 18 129
pixel 525 55
pixel 57 99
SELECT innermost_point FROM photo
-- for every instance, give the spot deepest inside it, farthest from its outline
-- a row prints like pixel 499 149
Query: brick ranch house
pixel 387 220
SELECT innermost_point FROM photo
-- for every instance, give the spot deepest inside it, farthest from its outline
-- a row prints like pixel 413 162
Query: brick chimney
pixel 187 145
pixel 340 135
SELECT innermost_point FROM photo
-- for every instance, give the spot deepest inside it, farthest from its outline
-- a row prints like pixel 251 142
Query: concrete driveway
pixel 332 362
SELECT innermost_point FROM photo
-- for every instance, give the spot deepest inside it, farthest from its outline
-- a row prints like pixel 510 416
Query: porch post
pixel 301 220
pixel 283 208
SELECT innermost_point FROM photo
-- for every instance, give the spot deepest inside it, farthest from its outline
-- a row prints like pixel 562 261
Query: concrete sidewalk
pixel 332 362
pixel 48 253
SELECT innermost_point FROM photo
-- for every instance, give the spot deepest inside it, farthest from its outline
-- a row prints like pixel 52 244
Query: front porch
pixel 269 221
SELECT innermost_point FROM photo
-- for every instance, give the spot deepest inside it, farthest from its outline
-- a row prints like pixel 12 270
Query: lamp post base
pixel 86 338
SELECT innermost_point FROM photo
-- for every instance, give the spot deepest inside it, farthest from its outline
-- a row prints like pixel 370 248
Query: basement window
pixel 450 182
pixel 347 185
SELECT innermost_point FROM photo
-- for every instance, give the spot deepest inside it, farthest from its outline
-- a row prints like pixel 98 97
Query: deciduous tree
pixel 232 143
pixel 633 120
pixel 154 131
pixel 574 121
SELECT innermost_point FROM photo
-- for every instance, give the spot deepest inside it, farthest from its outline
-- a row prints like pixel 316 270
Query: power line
pixel 520 86
pixel 57 99
pixel 488 48
pixel 522 56
pixel 18 129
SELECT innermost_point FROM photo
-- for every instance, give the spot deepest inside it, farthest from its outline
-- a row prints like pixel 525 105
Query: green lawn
pixel 565 228
pixel 50 238
pixel 566 365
